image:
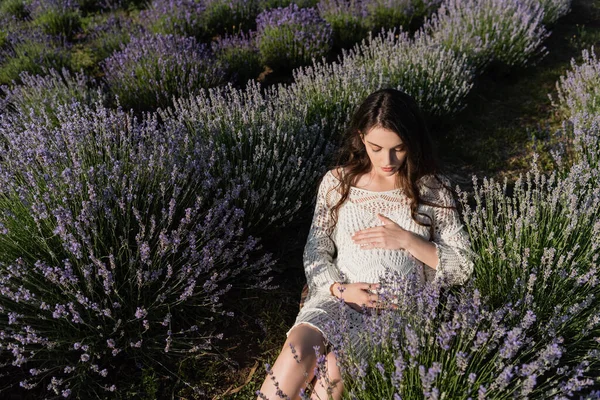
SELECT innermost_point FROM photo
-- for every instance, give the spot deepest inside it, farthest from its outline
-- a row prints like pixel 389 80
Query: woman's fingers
pixel 368 237
pixel 371 286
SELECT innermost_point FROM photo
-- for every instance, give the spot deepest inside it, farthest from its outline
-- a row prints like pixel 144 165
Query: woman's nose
pixel 390 158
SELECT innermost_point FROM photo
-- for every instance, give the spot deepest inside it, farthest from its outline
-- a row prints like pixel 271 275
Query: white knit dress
pixel 353 264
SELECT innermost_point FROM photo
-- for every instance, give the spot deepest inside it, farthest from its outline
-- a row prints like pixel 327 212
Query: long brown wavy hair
pixel 396 111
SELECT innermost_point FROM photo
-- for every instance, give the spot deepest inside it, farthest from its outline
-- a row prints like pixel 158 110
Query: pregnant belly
pixel 372 268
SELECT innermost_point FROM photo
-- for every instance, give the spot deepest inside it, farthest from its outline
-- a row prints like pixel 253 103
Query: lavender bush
pixel 265 138
pixel 579 89
pixel 230 16
pixel 203 20
pixel 29 49
pixel 583 131
pixel 453 345
pixel 240 54
pixel 545 234
pixel 436 77
pixel 423 8
pixel 150 70
pixel 508 32
pixel 180 17
pixel 119 240
pixel 554 9
pixel 292 36
pixel 389 14
pixel 347 19
pixel 57 17
pixel 15 8
pixel 42 94
pixel 269 4
pixel 107 34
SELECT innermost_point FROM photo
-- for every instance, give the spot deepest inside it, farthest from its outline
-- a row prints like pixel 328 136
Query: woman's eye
pixel 400 149
pixel 375 151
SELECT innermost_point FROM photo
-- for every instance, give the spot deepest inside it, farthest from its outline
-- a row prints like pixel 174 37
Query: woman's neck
pixel 375 182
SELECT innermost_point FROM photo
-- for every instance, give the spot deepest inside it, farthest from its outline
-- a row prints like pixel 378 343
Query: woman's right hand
pixel 358 294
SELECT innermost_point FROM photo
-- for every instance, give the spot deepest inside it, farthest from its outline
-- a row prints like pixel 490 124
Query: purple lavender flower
pixel 291 36
pixel 150 70
pixel 79 177
pixel 240 54
pixel 180 17
pixel 347 19
pixel 57 17
pixel 490 30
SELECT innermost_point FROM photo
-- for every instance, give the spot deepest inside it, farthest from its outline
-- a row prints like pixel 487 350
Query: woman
pixel 384 207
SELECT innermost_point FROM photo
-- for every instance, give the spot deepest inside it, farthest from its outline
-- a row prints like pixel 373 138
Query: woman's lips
pixel 390 169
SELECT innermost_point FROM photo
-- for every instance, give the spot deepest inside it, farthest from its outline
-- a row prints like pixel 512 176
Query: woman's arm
pixel 454 257
pixel 319 268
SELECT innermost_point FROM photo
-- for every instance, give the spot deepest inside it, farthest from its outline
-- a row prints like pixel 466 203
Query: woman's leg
pixel 292 371
pixel 333 380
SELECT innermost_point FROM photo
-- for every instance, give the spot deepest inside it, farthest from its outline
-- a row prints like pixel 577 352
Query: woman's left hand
pixel 387 236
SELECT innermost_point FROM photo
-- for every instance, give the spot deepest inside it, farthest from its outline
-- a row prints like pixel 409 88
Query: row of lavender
pixel 168 55
pixel 114 253
pixel 68 33
pixel 528 324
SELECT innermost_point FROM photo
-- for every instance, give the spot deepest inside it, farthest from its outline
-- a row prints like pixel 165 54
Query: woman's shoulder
pixel 436 188
pixel 337 172
pixel 333 177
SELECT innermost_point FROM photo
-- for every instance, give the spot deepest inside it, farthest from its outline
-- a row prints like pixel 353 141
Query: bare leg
pixel 293 371
pixel 333 380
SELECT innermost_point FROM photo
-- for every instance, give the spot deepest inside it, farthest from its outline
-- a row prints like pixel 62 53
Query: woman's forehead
pixel 383 137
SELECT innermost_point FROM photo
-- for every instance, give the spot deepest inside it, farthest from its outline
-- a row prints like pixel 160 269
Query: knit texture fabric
pixel 339 259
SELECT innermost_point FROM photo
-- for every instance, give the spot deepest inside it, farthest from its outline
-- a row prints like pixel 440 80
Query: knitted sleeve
pixel 319 251
pixel 455 257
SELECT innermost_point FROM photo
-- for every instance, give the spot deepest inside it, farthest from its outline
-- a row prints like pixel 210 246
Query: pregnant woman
pixel 385 206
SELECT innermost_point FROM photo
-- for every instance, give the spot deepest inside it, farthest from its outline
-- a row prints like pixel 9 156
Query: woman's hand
pixel 387 236
pixel 359 294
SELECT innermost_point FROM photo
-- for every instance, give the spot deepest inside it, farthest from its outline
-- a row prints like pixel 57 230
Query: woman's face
pixel 385 150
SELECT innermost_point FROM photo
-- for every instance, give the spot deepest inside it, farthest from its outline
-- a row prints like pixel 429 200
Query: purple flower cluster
pixel 14 9
pixel 435 76
pixel 230 16
pixel 348 20
pixel 578 90
pixel 509 32
pixel 554 9
pixel 240 54
pixel 57 17
pixel 46 92
pixel 150 70
pixel 107 35
pixel 453 344
pixel 387 14
pixel 181 17
pixel 119 238
pixel 30 49
pixel 266 140
pixel 39 7
pixel 291 36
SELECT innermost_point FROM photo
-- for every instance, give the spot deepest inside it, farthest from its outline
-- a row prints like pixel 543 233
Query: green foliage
pixel 229 17
pixel 40 96
pixel 33 57
pixel 55 21
pixel 269 4
pixel 16 8
pixel 242 62
pixel 385 14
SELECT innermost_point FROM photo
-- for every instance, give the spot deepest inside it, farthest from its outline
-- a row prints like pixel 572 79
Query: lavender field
pixel 158 167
